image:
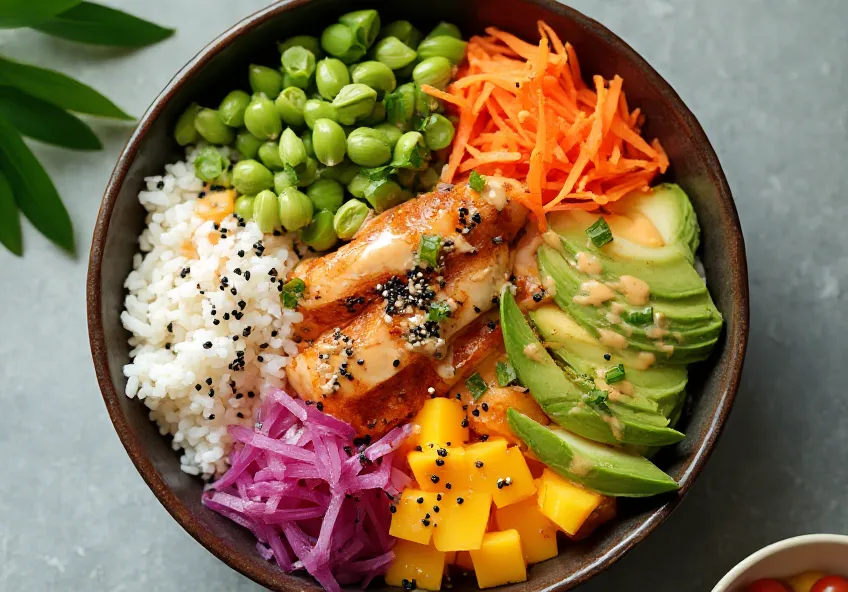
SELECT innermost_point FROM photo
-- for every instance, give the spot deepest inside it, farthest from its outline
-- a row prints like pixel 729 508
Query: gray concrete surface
pixel 768 80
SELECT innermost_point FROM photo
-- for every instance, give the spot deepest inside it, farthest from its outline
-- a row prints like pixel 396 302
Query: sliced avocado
pixel 685 341
pixel 562 400
pixel 571 342
pixel 607 470
pixel 667 269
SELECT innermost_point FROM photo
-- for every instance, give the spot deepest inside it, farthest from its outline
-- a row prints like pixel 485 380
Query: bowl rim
pixel 791 543
pixel 737 338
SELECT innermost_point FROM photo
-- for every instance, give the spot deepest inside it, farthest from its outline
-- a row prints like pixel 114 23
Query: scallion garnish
pixel 640 317
pixel 477 181
pixel 292 292
pixel 596 397
pixel 428 249
pixel 439 311
pixel 599 233
pixel 476 385
pixel 506 374
pixel 615 374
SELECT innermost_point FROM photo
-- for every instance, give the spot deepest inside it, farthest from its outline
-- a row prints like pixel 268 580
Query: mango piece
pixel 443 423
pixel 410 521
pixel 499 559
pixel 499 470
pixel 463 560
pixel 439 469
pixel 803 582
pixel 565 503
pixel 538 534
pixel 463 517
pixel 416 566
pixel 216 206
pixel 450 558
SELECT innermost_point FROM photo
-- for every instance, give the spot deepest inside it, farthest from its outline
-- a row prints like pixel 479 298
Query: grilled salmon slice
pixel 341 284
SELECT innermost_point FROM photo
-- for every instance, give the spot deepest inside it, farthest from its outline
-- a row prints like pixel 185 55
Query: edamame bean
pixel 404 31
pixel 365 25
pixel 328 141
pixel 210 163
pixel 212 129
pixel 443 46
pixel 340 41
pixel 368 147
pixel 407 178
pixel 295 209
pixel 375 74
pixel 315 109
pixel 232 107
pixel 264 80
pixel 306 41
pixel 410 152
pixel 384 194
pixel 290 104
pixel 285 178
pixel 438 132
pixel 265 211
pixel 425 104
pixel 261 118
pixel 444 28
pixel 306 138
pixel 391 132
pixel 291 149
pixel 377 115
pixel 320 234
pixel 435 71
pixel 244 207
pixel 354 101
pixel 400 106
pixel 349 218
pixel 247 144
pixel 269 154
pixel 331 76
pixel 326 194
pixel 250 177
pixel 299 64
pixel 307 173
pixel 343 172
pixel 427 179
pixel 394 53
pixel 358 184
pixel 184 132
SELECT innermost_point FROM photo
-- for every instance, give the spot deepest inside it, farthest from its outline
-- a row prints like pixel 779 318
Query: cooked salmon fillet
pixel 341 284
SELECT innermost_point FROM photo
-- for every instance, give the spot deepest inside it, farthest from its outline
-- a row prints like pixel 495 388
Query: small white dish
pixel 812 552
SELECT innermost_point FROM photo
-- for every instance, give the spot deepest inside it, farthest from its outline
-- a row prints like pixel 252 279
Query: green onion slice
pixel 599 233
pixel 506 374
pixel 476 385
pixel 615 374
pixel 439 311
pixel 292 292
pixel 640 317
pixel 428 249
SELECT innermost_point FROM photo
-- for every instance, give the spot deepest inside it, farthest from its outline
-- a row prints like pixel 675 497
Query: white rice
pixel 167 379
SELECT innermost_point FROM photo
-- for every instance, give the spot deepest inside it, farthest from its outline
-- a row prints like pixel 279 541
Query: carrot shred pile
pixel 526 116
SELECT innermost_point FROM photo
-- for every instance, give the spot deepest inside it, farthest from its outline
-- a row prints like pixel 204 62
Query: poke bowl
pixel 231 301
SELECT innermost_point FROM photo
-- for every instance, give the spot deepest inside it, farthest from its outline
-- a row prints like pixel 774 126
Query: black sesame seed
pixel 392 509
pixel 438 497
pixel 478 464
pixel 425 522
pixel 484 437
pixel 319 406
pixel 160 185
pixel 491 325
pixel 460 501
pixel 418 448
pixel 360 362
pixel 212 416
pixel 396 363
pixel 464 422
pixel 420 500
pixel 448 486
pixel 207 345
pixel 607 357
pixel 485 406
pixel 440 462
pixel 209 381
pixel 475 412
pixel 436 509
pixel 434 478
pixel 442 452
pixel 260 358
pixel 197 387
pixel 537 297
pixel 241 253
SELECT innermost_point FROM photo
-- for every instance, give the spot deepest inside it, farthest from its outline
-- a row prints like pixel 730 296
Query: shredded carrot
pixel 527 116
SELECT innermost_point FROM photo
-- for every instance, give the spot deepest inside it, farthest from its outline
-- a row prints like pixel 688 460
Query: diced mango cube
pixel 439 469
pixel 501 471
pixel 410 520
pixel 419 566
pixel 217 205
pixel 463 517
pixel 463 560
pixel 443 423
pixel 567 504
pixel 450 558
pixel 499 560
pixel 538 534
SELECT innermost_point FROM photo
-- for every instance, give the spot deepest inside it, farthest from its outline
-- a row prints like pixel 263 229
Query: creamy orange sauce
pixel 644 361
pixel 588 264
pixel 656 332
pixel 533 351
pixel 634 290
pixel 579 465
pixel 615 425
pixel 593 293
pixel 553 240
pixel 495 194
pixel 612 339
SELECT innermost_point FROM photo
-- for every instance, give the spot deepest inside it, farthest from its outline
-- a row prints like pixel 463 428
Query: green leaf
pixel 438 312
pixel 100 25
pixel 34 191
pixel 26 13
pixel 506 373
pixel 45 122
pixel 292 292
pixel 10 222
pixel 58 89
pixel 477 181
pixel 476 386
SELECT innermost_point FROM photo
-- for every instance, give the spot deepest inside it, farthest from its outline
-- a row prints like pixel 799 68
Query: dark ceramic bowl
pixel 694 166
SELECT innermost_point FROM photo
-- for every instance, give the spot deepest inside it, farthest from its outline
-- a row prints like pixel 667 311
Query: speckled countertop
pixel 768 81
